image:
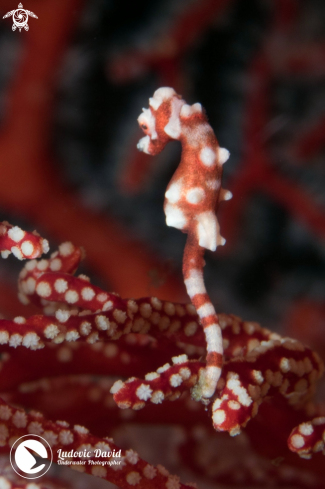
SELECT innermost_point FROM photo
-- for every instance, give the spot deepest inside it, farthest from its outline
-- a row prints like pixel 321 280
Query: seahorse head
pixel 160 122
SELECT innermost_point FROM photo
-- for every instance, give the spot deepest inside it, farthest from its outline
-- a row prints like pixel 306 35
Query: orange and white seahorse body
pixel 191 201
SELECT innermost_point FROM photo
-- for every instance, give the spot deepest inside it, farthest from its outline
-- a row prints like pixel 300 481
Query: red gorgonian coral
pixel 266 382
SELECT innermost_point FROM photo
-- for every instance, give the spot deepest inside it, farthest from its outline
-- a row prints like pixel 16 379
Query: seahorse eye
pixel 144 127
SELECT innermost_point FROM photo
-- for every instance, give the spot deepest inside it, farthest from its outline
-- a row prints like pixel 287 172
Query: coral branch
pixel 124 470
pixel 168 382
pixel 308 438
pixel 66 260
pixel 282 367
pixel 93 395
pixel 21 243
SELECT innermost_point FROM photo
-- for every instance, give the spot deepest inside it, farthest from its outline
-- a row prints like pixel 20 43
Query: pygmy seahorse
pixel 191 201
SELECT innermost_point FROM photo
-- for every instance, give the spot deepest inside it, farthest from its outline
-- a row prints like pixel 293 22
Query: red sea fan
pixel 86 331
pixel 89 331
pixel 62 363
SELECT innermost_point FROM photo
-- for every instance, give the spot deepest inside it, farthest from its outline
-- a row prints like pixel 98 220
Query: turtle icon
pixel 20 18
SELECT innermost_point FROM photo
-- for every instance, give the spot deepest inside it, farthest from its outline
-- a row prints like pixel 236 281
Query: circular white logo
pixel 31 456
